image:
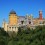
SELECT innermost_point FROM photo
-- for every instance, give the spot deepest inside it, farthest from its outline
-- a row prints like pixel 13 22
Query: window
pixel 22 22
pixel 29 22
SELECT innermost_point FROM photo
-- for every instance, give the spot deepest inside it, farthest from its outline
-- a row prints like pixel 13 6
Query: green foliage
pixel 3 36
pixel 24 36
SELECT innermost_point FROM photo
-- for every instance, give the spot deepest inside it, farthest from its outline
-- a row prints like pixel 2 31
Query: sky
pixel 21 7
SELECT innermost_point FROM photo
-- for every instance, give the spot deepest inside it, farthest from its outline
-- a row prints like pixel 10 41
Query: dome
pixel 12 12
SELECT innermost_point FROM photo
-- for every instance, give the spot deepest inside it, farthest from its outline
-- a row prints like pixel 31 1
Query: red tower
pixel 40 15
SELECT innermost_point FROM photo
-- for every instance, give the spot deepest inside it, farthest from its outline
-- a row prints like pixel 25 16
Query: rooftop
pixel 12 12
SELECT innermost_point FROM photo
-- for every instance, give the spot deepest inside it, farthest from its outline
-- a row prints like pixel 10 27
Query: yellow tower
pixel 13 18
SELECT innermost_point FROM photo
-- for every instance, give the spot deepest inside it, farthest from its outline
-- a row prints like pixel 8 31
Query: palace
pixel 16 21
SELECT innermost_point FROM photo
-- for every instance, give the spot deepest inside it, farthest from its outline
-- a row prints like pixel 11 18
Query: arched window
pixel 29 22
pixel 22 22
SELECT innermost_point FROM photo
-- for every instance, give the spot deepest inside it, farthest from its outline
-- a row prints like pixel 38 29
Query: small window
pixel 29 22
pixel 22 22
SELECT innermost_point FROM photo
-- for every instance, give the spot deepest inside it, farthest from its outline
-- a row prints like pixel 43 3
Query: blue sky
pixel 21 7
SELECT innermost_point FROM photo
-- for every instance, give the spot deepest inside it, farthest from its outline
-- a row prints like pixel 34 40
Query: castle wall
pixel 18 21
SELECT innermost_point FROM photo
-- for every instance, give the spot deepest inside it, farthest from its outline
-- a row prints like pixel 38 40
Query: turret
pixel 40 15
pixel 13 18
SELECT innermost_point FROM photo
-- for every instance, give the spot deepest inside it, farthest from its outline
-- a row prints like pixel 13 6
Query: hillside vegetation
pixel 24 36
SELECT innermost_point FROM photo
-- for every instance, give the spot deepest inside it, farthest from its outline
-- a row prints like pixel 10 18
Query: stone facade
pixel 17 21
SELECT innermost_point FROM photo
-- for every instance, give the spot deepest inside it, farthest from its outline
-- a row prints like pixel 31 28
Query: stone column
pixel 11 29
pixel 16 29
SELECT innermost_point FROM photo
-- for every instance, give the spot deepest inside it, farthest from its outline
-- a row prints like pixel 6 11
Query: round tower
pixel 13 18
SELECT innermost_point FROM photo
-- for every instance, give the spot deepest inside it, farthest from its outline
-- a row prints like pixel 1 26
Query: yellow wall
pixel 13 19
pixel 36 22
